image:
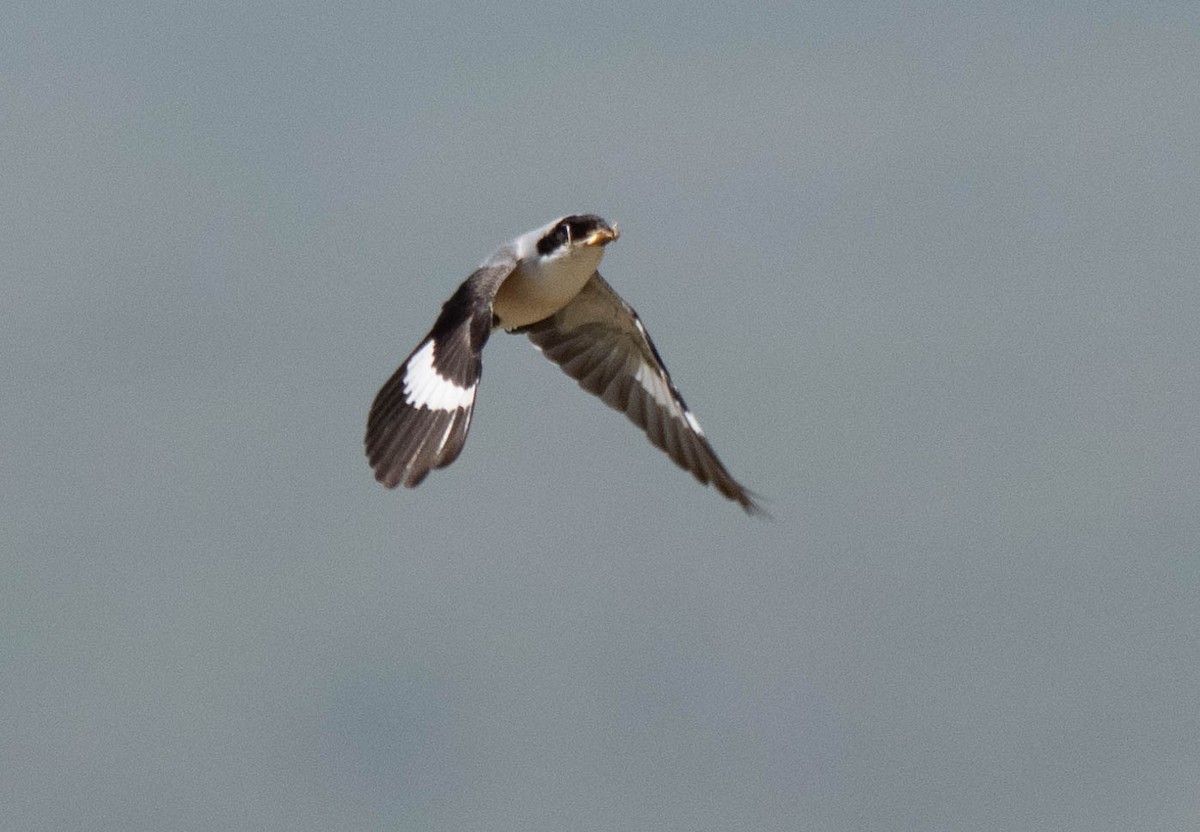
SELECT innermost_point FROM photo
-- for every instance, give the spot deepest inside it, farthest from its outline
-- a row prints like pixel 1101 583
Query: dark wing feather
pixel 420 417
pixel 598 340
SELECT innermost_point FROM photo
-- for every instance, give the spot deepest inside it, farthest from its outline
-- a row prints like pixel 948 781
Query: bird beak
pixel 602 236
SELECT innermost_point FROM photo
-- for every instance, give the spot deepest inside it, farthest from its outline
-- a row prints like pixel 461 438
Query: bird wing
pixel 420 417
pixel 598 340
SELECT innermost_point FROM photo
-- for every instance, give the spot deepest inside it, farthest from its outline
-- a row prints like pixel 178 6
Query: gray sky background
pixel 927 274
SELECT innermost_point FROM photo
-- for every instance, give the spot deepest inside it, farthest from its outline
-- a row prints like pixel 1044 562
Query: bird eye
pixel 559 235
pixel 566 230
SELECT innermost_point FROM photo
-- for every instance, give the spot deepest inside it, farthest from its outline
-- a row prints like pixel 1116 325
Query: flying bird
pixel 543 284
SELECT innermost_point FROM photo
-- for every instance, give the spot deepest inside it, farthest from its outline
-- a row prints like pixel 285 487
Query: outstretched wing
pixel 420 417
pixel 599 341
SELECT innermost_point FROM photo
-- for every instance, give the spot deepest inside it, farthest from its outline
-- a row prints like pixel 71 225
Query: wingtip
pixel 754 508
pixel 751 503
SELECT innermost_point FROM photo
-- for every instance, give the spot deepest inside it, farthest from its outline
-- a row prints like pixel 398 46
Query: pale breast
pixel 538 289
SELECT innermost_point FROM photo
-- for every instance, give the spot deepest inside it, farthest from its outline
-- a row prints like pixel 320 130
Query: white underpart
pixel 425 387
pixel 540 286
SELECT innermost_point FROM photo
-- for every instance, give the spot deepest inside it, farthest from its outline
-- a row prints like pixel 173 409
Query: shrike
pixel 543 284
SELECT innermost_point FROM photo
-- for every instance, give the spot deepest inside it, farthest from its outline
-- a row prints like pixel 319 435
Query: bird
pixel 543 284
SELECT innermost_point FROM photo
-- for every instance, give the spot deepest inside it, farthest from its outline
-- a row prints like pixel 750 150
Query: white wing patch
pixel 656 386
pixel 660 390
pixel 425 387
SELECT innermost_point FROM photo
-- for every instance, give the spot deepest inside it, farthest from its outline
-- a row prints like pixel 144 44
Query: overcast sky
pixel 928 276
